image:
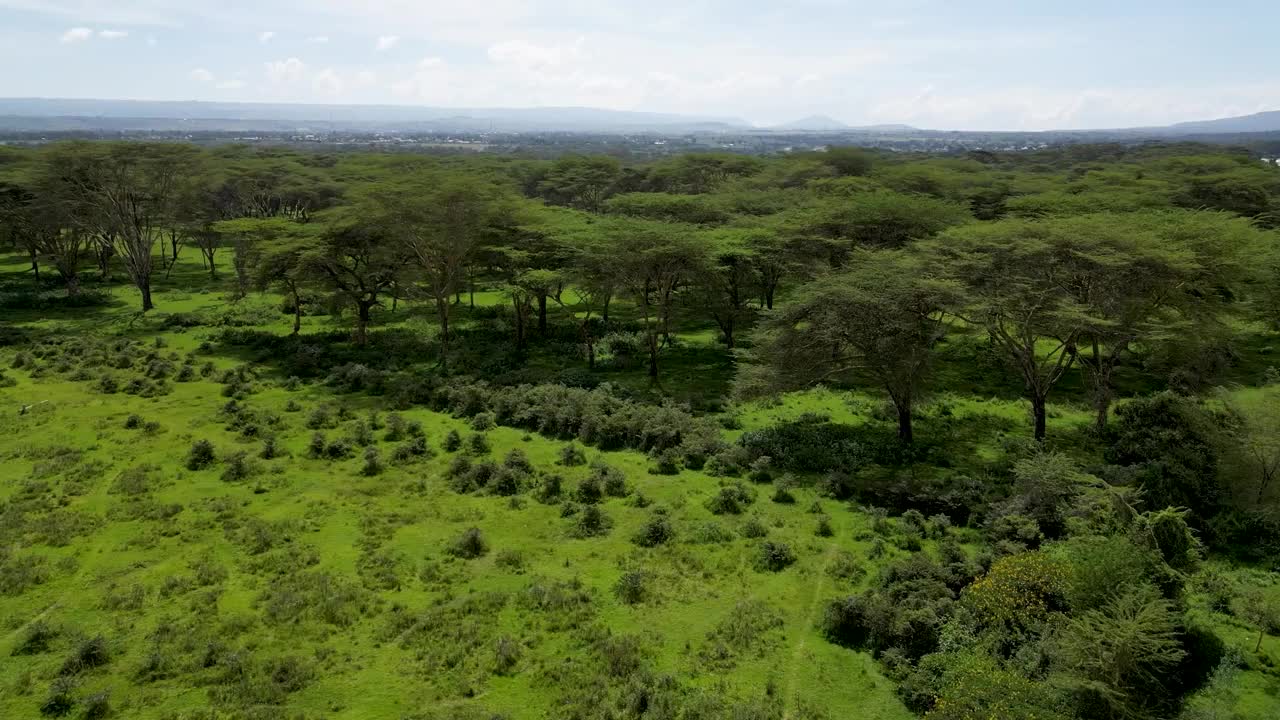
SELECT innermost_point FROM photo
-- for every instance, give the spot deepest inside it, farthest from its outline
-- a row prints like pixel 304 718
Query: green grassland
pixel 310 588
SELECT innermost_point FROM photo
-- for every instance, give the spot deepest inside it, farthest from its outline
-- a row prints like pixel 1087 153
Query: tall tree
pixel 1016 275
pixel 359 263
pixel 879 320
pixel 653 260
pixel 442 222
pixel 130 190
pixel 1144 276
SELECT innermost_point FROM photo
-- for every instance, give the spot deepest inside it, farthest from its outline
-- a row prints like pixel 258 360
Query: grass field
pixel 307 584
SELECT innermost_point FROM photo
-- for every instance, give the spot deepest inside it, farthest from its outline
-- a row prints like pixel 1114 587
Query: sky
pixel 972 65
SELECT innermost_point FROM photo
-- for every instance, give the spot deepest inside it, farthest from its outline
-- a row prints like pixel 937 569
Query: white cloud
pixel 76 34
pixel 201 75
pixel 112 34
pixel 386 42
pixel 291 70
pixel 229 84
pixel 430 62
pixel 318 39
pixel 266 35
pixel 328 82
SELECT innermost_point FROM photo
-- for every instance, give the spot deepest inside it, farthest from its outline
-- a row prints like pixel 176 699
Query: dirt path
pixel 810 617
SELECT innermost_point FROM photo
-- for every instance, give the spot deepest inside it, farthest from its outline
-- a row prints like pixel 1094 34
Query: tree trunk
pixel 35 265
pixel 768 296
pixel 591 353
pixel 604 316
pixel 1258 647
pixel 727 329
pixel 145 287
pixel 297 311
pixel 362 321
pixel 904 421
pixel 442 311
pixel 1038 410
pixel 653 356
pixel 73 284
pixel 542 313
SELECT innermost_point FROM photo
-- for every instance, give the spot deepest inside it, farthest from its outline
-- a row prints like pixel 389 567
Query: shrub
pixel 338 449
pixel 844 566
pixel 656 531
pixel 836 485
pixel 710 533
pixel 372 462
pixel 478 444
pixel 824 527
pixel 35 639
pixel 505 655
pixel 483 421
pixel 361 433
pixel 512 560
pixel 592 522
pixel 550 489
pixel 397 428
pixel 89 653
pixel 516 460
pixel 760 471
pixel 316 448
pixel 1167 445
pixel 631 587
pixel 731 500
pixel 612 481
pixel 270 449
pixel 97 705
pixel 237 468
pixel 201 455
pixel 666 462
pixel 133 422
pixel 589 491
pixel 61 698
pixel 320 418
pixel 754 527
pixel 415 448
pixel 1018 591
pixel 469 545
pixel 452 441
pixel 571 455
pixel 774 556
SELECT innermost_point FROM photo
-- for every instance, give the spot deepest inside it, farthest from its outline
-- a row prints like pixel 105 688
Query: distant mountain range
pixel 62 115
pixel 41 113
pixel 1257 122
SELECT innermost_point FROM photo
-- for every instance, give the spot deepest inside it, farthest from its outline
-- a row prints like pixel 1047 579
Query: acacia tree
pixel 358 263
pixel 879 320
pixel 129 191
pixel 652 260
pixel 1015 274
pixel 724 284
pixel 19 225
pixel 1140 277
pixel 442 223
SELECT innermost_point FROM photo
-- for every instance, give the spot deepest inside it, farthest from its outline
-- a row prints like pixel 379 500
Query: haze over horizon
pixel 990 65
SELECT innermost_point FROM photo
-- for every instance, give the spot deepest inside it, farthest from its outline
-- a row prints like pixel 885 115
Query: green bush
pixel 731 500
pixel 469 545
pixel 657 530
pixel 201 455
pixel 774 556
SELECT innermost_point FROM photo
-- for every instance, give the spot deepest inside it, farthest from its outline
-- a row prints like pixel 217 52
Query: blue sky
pixel 985 64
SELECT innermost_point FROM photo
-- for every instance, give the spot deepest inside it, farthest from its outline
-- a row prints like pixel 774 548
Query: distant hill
pixel 813 122
pixel 48 113
pixel 1257 122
